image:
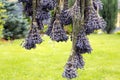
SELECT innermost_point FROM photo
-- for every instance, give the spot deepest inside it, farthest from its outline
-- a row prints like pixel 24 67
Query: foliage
pixel 2 17
pixel 118 32
pixel 109 13
pixel 2 13
pixel 44 62
pixel 71 2
pixel 16 25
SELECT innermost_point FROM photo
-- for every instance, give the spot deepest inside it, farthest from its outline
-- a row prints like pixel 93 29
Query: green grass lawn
pixel 47 61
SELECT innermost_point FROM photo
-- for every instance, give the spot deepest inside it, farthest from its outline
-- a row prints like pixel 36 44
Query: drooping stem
pixel 82 7
pixel 57 9
pixel 34 7
pixel 65 6
pixel 77 26
pixel 88 3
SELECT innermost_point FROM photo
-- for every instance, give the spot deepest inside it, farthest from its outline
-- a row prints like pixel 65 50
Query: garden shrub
pixel 16 25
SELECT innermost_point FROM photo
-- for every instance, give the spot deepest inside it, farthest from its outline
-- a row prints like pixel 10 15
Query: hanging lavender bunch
pixel 65 17
pixel 40 24
pixel 82 44
pixel 78 60
pixel 28 44
pixel 97 4
pixel 43 11
pixel 58 33
pixel 33 38
pixel 75 10
pixel 24 0
pixel 70 70
pixel 27 7
pixel 93 21
pixel 34 33
pixel 42 15
pixel 50 26
pixel 75 61
pixel 48 4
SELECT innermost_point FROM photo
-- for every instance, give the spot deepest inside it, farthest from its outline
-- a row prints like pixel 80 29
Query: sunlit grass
pixel 47 61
